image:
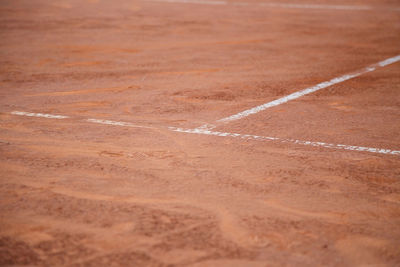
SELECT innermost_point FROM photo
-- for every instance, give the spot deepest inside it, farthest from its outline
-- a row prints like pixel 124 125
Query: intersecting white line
pixel 205 129
pixel 222 134
pixel 307 91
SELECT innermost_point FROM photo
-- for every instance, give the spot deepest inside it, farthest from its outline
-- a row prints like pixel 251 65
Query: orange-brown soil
pixel 75 193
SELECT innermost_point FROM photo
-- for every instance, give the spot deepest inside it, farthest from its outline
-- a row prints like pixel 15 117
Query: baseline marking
pixel 41 115
pixel 223 134
pixel 118 123
pixel 307 91
pixel 277 5
pixel 290 141
pixel 316 6
pixel 202 2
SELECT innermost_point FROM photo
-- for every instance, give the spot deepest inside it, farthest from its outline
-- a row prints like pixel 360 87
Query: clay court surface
pixel 116 150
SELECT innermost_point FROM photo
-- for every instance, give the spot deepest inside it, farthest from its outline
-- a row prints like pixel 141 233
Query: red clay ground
pixel 76 193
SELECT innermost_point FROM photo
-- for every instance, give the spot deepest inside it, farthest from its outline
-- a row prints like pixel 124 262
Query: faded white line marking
pixel 290 141
pixel 389 61
pixel 117 123
pixel 316 6
pixel 309 90
pixel 205 131
pixel 279 5
pixel 40 115
pixel 202 2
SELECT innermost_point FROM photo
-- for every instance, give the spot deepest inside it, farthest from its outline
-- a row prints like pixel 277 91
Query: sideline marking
pixel 277 5
pixel 223 134
pixel 307 91
pixel 118 123
pixel 290 141
pixel 41 115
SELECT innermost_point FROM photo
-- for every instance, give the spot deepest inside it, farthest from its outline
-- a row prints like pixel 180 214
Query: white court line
pixel 118 123
pixel 290 141
pixel 307 91
pixel 41 115
pixel 316 6
pixel 224 134
pixel 202 2
pixel 277 5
